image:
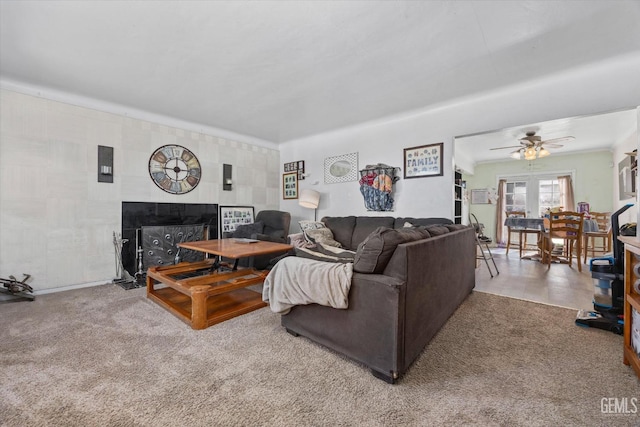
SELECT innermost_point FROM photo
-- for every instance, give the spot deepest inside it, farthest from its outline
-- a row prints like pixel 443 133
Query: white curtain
pixel 566 193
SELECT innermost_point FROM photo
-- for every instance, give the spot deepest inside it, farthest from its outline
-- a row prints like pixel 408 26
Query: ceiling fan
pixel 533 147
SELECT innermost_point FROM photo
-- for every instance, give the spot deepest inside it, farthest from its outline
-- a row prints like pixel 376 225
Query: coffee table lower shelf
pixel 202 306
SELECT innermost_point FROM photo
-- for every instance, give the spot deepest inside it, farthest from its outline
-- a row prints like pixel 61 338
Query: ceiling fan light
pixel 515 155
pixel 530 153
pixel 543 153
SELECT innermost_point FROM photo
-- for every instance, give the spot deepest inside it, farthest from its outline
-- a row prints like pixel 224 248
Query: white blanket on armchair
pixel 299 281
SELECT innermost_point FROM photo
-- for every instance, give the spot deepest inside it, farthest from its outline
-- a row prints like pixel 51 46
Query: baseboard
pixel 72 287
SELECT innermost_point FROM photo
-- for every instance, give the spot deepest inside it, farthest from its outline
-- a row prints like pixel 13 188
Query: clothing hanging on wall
pixel 376 186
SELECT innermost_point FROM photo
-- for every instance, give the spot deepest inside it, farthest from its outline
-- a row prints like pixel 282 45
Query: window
pixel 516 196
pixel 548 195
pixel 534 193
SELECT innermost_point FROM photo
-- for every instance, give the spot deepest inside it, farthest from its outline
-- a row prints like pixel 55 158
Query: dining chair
pixel 510 229
pixel 565 226
pixel 604 232
pixel 523 233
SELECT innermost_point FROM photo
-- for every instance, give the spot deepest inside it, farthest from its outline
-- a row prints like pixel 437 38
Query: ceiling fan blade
pixel 553 145
pixel 502 148
pixel 554 140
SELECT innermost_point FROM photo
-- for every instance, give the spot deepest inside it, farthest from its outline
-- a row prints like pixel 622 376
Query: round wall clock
pixel 174 169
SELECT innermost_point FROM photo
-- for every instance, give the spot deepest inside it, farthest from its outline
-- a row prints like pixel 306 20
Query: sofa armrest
pixel 371 330
pixel 440 273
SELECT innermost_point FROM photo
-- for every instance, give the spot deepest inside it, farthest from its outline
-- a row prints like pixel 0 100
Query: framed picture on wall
pixel 290 185
pixel 343 168
pixel 297 166
pixel 233 216
pixel 423 161
pixel 480 197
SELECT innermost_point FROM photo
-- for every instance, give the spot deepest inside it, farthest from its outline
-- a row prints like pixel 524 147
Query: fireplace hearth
pixel 153 230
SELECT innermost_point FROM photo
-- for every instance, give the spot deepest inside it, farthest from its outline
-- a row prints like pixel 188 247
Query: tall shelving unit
pixel 631 355
pixel 458 193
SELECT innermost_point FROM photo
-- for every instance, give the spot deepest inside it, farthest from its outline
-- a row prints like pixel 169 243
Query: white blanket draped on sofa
pixel 299 281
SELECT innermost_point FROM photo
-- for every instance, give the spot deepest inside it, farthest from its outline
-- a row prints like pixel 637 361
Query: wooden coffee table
pixel 207 292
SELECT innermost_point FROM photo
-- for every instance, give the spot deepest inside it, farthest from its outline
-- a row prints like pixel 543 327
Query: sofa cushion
pixel 422 229
pixel 454 227
pixel 399 222
pixel 376 250
pixel 437 230
pixel 321 235
pixel 319 256
pixel 365 225
pixel 246 231
pixel 342 228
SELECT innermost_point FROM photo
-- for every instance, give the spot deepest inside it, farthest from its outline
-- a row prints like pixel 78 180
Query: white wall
pixel 625 146
pixel 57 221
pixel 587 90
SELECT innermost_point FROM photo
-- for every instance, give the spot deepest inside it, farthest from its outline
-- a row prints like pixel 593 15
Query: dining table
pixel 522 222
pixel 588 225
pixel 529 223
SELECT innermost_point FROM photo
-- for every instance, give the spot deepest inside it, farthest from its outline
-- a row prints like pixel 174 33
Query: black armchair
pixel 276 225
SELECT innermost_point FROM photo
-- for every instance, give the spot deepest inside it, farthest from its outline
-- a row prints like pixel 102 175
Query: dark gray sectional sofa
pixel 416 284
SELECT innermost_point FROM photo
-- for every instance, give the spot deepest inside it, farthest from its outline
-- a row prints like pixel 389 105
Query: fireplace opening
pixel 151 232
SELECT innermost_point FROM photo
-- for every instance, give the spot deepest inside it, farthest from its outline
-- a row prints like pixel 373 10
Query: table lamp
pixel 310 199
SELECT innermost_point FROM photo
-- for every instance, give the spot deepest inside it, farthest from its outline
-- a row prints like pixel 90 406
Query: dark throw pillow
pixel 245 231
pixel 376 250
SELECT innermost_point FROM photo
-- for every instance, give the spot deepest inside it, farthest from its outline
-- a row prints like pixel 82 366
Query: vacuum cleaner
pixel 608 277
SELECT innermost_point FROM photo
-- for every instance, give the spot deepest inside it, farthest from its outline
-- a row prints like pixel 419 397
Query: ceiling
pixel 592 133
pixel 282 70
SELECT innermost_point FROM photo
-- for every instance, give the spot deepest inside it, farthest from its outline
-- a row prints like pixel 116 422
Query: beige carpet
pixel 105 356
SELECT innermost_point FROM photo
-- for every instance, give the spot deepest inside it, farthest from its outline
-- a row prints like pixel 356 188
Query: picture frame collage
pixel 290 185
pixel 233 216
pixel 293 172
pixel 295 167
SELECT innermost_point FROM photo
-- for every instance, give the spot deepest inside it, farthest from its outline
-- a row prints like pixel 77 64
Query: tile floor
pixel 559 285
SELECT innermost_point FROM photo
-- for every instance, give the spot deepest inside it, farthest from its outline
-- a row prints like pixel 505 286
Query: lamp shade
pixel 309 198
